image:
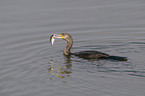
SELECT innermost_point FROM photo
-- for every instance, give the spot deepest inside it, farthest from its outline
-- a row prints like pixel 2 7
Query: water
pixel 31 67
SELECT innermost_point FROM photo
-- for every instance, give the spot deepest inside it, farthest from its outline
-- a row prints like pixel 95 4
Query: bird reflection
pixel 60 70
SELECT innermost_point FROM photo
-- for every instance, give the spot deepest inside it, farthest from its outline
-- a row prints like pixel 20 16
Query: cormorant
pixel 83 54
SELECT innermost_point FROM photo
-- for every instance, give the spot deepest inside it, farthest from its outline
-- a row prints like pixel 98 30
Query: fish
pixel 52 39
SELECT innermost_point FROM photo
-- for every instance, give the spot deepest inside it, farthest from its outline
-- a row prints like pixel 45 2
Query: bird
pixel 89 54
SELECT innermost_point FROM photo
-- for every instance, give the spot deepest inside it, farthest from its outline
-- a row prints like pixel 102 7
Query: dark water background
pixel 29 66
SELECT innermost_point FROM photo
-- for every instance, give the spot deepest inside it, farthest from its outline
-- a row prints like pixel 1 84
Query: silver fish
pixel 52 39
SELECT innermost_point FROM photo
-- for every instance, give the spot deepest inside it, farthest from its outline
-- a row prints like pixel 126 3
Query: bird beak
pixel 52 38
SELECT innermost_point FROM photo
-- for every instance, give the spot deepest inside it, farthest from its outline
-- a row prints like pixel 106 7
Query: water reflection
pixel 61 70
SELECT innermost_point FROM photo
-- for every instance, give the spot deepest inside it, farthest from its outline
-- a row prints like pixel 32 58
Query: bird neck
pixel 68 47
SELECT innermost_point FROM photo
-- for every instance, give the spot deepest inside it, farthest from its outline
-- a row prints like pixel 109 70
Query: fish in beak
pixel 52 39
pixel 53 36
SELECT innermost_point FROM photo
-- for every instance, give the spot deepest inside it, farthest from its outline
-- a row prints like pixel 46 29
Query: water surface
pixel 30 66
